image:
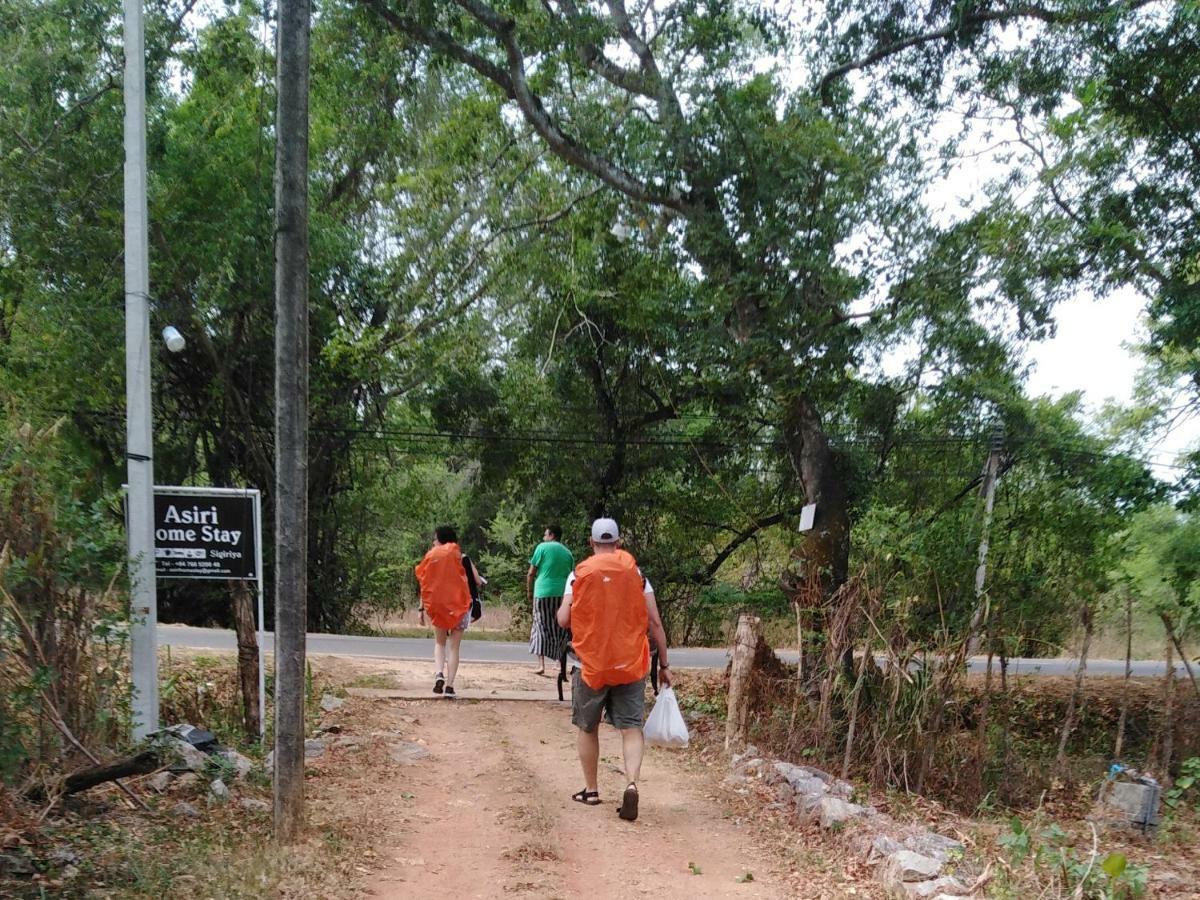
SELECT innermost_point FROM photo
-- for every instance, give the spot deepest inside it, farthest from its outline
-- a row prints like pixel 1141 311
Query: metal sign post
pixel 213 534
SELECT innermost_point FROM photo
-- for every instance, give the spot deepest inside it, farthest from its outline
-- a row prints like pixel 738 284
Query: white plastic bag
pixel 665 726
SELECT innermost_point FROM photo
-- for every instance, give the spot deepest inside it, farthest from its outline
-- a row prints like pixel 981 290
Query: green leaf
pixel 695 868
pixel 745 879
pixel 1114 864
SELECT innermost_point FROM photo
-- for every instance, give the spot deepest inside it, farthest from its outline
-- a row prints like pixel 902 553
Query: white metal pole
pixel 262 621
pixel 139 430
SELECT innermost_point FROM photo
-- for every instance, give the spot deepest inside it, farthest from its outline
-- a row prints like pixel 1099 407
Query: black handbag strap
pixel 470 570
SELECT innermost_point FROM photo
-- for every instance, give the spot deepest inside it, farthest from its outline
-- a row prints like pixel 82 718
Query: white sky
pixel 1093 352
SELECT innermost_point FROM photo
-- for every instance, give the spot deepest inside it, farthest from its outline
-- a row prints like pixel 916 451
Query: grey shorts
pixel 625 704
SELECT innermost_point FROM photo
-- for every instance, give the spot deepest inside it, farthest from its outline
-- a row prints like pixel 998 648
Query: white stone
pixel 253 804
pixel 329 702
pixel 186 810
pixel 160 781
pixel 830 811
pixel 753 766
pixel 62 856
pixel 946 886
pixel 929 843
pixel 406 753
pixel 905 865
pixel 883 846
pixel 218 790
pixel 190 759
pixel 184 781
pixel 314 748
pixel 241 765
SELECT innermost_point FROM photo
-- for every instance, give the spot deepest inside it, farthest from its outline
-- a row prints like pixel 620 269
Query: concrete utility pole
pixel 291 411
pixel 139 432
pixel 991 472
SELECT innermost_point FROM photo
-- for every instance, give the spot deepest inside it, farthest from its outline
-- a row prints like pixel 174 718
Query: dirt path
pixel 490 815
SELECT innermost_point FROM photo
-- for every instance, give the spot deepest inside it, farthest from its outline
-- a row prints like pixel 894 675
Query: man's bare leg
pixel 633 745
pixel 589 755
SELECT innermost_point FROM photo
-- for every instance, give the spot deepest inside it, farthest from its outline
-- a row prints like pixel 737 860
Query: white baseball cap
pixel 605 531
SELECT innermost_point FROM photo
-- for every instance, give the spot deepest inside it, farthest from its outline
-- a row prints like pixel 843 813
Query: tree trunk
pixel 852 726
pixel 799 687
pixel 1085 614
pixel 825 553
pixel 1120 742
pixel 982 731
pixel 247 658
pixel 291 411
pixel 1168 720
pixel 826 548
pixel 140 764
pixel 1187 663
pixel 1007 711
pixel 741 673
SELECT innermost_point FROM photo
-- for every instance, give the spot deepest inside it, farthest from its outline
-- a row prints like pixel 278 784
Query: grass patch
pixel 377 680
pixel 473 634
pixel 226 852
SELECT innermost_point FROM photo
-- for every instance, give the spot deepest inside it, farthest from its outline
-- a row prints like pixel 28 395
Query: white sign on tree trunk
pixel 808 515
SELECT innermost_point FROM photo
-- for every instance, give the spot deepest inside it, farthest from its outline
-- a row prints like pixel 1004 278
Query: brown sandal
pixel 586 797
pixel 629 804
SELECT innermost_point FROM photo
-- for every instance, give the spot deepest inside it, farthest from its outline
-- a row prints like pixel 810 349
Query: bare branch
pixel 971 20
pixel 595 59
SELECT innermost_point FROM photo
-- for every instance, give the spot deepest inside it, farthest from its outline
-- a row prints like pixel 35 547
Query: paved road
pixel 513 652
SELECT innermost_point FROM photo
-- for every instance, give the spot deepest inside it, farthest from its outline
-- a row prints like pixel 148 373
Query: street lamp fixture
pixel 173 339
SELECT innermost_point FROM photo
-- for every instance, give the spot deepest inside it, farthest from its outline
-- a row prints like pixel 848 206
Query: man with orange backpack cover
pixel 609 607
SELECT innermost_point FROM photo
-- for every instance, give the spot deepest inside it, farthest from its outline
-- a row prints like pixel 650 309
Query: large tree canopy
pixel 683 263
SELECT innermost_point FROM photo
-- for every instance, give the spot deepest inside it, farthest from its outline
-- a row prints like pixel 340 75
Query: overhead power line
pixel 382 437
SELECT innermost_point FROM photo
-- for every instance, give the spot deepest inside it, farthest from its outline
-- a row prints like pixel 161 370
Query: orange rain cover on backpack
pixel 609 620
pixel 444 591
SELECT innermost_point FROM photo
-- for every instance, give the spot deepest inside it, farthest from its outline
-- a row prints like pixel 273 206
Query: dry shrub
pixel 62 650
pixel 201 691
pixel 931 729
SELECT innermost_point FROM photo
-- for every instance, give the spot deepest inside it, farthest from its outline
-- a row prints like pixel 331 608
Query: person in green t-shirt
pixel 549 567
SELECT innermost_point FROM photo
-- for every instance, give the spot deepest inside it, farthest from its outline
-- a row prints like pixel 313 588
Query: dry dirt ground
pixel 471 799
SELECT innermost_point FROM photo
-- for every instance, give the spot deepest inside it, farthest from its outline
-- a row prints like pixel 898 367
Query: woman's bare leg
pixel 439 651
pixel 456 637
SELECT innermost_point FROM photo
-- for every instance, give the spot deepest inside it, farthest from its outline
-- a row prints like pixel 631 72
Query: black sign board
pixel 204 536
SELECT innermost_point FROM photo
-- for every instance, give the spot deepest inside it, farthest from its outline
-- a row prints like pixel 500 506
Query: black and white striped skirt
pixel 547 637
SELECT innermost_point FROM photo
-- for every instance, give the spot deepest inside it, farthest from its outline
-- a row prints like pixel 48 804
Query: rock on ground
pixel 160 781
pixel 12 864
pixel 241 765
pixel 929 843
pixel 905 865
pixel 190 759
pixel 829 812
pixel 405 752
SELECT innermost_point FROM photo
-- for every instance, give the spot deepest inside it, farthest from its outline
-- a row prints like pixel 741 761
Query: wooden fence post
pixel 740 673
